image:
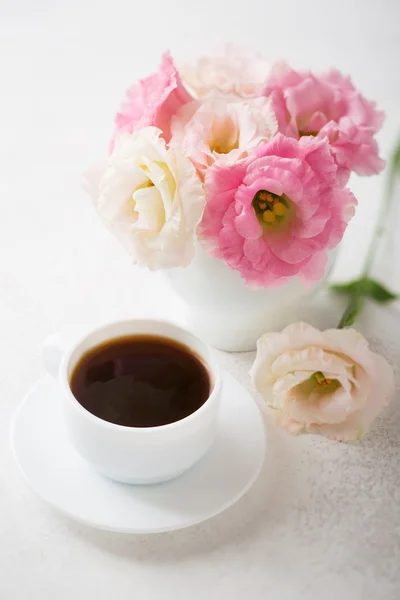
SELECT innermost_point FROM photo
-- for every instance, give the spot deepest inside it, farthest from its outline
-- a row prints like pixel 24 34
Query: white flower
pixel 220 131
pixel 326 382
pixel 233 71
pixel 150 198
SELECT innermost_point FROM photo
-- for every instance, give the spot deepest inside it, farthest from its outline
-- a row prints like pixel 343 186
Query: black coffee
pixel 140 381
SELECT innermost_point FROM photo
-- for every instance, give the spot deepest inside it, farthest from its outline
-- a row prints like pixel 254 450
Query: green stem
pixel 382 214
pixel 353 308
pixel 357 299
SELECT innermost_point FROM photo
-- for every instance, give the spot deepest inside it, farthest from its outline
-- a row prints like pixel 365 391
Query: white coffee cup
pixel 137 455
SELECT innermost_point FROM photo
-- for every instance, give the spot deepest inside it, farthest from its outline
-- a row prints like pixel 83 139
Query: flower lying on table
pixel 250 158
pixel 326 382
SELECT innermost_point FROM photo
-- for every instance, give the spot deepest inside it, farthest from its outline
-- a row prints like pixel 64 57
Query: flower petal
pixel 153 101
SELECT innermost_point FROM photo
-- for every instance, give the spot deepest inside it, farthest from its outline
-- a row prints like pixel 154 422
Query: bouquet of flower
pixel 252 159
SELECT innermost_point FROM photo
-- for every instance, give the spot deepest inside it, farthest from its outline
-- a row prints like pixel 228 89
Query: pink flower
pixel 221 131
pixel 326 382
pixel 329 106
pixel 153 101
pixel 276 213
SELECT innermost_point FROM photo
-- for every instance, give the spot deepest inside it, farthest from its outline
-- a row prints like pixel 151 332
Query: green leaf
pixel 365 287
pixel 346 288
pixel 372 289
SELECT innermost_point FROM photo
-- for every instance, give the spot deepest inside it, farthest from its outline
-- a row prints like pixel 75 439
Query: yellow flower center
pixel 224 135
pixel 321 379
pixel 223 147
pixel 305 133
pixel 269 207
pixel 324 382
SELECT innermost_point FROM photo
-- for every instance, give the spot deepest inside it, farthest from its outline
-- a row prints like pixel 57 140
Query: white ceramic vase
pixel 227 314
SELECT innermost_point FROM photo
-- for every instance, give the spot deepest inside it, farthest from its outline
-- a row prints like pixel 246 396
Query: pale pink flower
pixel 326 382
pixel 276 213
pixel 220 131
pixel 150 197
pixel 153 101
pixel 233 71
pixel 328 106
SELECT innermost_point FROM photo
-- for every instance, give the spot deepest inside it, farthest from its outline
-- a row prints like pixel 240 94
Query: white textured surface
pixel 324 519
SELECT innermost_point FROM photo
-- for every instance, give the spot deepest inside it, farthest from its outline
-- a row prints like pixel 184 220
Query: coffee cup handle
pixel 54 348
pixel 52 354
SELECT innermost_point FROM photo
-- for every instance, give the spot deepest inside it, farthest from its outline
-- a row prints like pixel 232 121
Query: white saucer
pixel 58 474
